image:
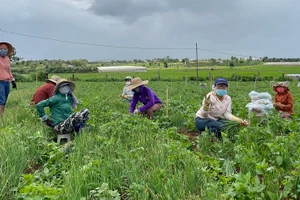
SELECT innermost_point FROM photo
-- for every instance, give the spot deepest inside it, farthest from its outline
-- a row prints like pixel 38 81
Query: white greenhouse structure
pixel 122 69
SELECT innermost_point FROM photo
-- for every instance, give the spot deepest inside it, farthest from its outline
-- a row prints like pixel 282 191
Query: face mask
pixel 136 89
pixel 3 52
pixel 64 89
pixel 280 89
pixel 221 93
pixel 127 83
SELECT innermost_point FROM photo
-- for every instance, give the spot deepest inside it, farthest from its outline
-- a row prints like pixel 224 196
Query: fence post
pixel 167 99
pixel 158 73
pixel 73 77
pixel 36 78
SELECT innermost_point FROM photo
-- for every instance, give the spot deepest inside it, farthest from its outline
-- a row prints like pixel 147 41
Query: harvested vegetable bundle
pixel 232 128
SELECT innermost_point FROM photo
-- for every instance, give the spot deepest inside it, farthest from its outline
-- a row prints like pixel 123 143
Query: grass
pixel 181 73
pixel 142 159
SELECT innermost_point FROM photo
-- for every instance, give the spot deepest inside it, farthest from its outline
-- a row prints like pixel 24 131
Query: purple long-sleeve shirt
pixel 146 96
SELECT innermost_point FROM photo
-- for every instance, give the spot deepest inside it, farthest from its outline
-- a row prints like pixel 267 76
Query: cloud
pixel 251 27
pixel 130 11
pixel 127 10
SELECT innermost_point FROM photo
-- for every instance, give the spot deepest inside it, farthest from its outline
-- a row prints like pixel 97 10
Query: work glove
pixel 279 105
pixel 136 111
pixel 14 85
pixel 49 123
pixel 207 102
pixel 241 121
pixel 244 123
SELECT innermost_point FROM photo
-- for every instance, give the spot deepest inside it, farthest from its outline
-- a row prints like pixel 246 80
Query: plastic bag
pixel 261 102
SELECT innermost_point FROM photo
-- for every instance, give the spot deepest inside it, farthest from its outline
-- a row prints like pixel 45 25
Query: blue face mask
pixel 221 93
pixel 3 52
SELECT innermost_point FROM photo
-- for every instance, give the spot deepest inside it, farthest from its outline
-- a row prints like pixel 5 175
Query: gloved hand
pixel 279 105
pixel 244 123
pixel 14 85
pixel 136 111
pixel 207 102
pixel 49 123
pixel 241 121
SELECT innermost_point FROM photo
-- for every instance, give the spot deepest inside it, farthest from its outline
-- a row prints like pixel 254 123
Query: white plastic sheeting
pixel 122 69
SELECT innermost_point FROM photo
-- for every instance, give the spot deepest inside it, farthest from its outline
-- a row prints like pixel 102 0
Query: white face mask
pixel 127 83
pixel 64 89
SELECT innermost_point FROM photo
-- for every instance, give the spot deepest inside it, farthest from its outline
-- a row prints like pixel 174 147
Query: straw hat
pixel 281 84
pixel 136 82
pixel 62 82
pixel 9 47
pixel 53 79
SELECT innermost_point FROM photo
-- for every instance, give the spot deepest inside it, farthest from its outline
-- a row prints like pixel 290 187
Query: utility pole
pixel 197 79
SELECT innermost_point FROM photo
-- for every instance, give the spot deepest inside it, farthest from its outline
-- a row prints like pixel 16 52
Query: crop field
pixel 119 156
pixel 179 74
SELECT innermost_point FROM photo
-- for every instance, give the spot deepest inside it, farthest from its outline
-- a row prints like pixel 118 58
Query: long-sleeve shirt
pixel 285 99
pixel 217 109
pixel 60 107
pixel 42 93
pixel 146 96
pixel 5 72
pixel 127 92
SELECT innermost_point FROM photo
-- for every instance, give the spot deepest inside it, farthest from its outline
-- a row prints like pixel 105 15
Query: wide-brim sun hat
pixel 62 82
pixel 53 79
pixel 136 82
pixel 281 84
pixel 9 48
pixel 221 81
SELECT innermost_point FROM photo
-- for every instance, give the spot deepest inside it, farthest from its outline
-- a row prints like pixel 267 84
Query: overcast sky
pixel 245 27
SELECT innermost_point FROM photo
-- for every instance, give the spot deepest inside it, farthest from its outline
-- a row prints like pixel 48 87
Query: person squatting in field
pixel 6 76
pixel 216 109
pixel 146 96
pixel 127 94
pixel 45 91
pixel 283 100
pixel 60 104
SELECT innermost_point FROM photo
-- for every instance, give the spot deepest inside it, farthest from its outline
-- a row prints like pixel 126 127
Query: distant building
pixel 122 69
pixel 294 76
pixel 282 63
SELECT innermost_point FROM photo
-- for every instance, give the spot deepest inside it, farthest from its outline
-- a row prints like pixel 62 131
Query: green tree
pixel 13 56
pixel 166 64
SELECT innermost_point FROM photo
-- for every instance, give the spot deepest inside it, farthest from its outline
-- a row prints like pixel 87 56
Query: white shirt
pixel 217 109
pixel 127 92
